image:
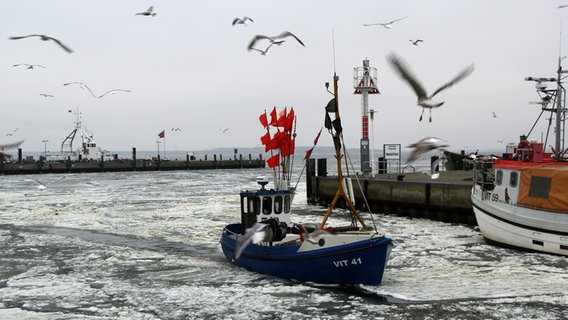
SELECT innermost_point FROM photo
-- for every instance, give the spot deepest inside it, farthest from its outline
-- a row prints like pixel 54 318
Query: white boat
pixel 521 199
pixel 88 151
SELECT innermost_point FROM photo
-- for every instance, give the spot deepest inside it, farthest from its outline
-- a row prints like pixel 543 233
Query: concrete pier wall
pixel 416 194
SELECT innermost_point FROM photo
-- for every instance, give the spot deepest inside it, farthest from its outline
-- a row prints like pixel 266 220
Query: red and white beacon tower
pixel 364 82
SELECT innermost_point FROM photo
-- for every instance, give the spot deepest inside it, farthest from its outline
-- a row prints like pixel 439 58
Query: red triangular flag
pixel 317 138
pixel 263 120
pixel 292 146
pixel 289 120
pixel 273 161
pixel 309 153
pixel 281 122
pixel 265 139
pixel 273 117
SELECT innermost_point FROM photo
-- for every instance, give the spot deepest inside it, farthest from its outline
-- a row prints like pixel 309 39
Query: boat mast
pixel 337 144
pixel 559 142
pixel 68 141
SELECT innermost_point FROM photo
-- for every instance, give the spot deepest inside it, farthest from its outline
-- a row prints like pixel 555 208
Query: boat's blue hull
pixel 362 262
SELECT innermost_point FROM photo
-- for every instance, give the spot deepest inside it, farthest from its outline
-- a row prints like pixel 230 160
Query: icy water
pixel 145 245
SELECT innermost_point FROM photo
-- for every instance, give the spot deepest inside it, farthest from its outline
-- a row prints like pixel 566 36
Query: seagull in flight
pixel 113 91
pixel 424 145
pixel 45 95
pixel 224 130
pixel 278 40
pixel 29 66
pixel 563 6
pixel 3 147
pixel 83 86
pixel 387 25
pixel 494 115
pixel 254 234
pixel 176 129
pixel 424 100
pixel 242 21
pixel 416 42
pixel 265 51
pixel 148 12
pixel 44 38
pixel 433 173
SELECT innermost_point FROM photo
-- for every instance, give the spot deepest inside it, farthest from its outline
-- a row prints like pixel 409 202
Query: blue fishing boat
pixel 268 241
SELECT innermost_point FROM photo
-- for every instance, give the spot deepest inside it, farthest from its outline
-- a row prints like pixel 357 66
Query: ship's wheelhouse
pixel 263 205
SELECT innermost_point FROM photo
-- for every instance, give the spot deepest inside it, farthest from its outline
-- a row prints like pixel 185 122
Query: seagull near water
pixel 254 234
pixel 274 40
pixel 29 66
pixel 424 100
pixel 148 12
pixel 387 25
pixel 44 38
pixel 243 21
pixel 424 145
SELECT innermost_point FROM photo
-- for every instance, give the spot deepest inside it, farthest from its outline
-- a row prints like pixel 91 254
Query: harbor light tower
pixel 364 82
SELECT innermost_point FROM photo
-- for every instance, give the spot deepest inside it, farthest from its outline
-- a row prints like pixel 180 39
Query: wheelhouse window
pixel 513 180
pixel 278 204
pixel 499 177
pixel 267 205
pixel 252 205
pixel 287 203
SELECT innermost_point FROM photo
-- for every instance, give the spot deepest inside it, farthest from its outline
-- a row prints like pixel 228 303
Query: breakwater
pixel 70 166
pixel 408 194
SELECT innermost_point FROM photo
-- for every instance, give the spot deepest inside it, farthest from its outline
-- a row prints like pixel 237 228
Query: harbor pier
pixel 30 166
pixel 417 195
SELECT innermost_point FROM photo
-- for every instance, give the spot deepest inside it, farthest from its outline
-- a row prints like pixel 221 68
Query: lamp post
pixel 45 148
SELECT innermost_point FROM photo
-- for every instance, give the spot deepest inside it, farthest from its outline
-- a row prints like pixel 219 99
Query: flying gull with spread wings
pixel 243 21
pixel 424 100
pixel 274 40
pixel 387 25
pixel 424 145
pixel 43 37
pixel 83 86
pixel 3 147
pixel 254 234
pixel 416 42
pixel 29 66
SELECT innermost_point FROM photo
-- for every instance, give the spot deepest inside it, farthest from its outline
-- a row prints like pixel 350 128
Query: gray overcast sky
pixel 188 67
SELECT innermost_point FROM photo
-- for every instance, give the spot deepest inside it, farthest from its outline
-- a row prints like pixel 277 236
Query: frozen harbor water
pixel 145 245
